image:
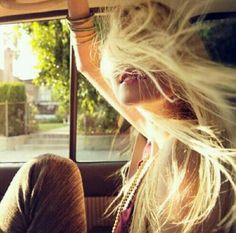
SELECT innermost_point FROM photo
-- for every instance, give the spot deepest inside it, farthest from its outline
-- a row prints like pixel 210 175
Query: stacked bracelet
pixel 79 25
pixel 80 21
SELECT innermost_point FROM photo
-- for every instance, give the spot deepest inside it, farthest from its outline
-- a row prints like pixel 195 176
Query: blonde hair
pixel 200 159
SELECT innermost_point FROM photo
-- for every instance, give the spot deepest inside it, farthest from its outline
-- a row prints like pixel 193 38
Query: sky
pixel 24 66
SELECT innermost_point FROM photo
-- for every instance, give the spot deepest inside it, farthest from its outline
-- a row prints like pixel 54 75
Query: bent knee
pixel 51 165
pixel 54 162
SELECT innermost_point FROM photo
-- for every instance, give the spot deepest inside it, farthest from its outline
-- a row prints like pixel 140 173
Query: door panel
pixel 99 188
pixel 97 178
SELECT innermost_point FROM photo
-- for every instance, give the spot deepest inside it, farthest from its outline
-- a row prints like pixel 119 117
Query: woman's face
pixel 135 88
pixel 132 87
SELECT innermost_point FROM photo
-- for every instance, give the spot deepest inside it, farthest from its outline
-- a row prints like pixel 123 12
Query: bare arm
pixel 90 69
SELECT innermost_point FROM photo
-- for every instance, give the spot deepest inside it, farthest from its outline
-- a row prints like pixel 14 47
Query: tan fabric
pixel 45 196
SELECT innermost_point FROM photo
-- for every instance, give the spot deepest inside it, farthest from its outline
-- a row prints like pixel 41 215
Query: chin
pixel 135 94
pixel 127 100
pixel 130 100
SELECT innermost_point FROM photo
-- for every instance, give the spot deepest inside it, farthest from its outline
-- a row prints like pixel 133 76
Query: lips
pixel 131 76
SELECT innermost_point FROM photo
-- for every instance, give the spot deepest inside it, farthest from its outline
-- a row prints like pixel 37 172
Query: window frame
pixel 61 14
pixel 52 15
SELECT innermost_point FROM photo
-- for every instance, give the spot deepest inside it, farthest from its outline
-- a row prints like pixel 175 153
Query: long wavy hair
pixel 197 188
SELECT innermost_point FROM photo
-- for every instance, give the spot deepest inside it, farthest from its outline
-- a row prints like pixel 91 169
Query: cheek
pixel 107 68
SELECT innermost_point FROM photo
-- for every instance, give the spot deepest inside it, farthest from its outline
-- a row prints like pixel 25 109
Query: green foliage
pixel 50 41
pixel 48 126
pixel 32 123
pixel 102 119
pixel 61 114
pixel 219 39
pixel 16 118
pixel 15 96
pixel 3 92
pixel 13 92
pixel 95 115
pixel 2 118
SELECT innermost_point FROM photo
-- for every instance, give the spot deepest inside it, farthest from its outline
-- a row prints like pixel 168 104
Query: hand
pixel 78 8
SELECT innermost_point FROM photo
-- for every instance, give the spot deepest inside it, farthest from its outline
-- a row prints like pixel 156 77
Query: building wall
pixel 41 96
pixel 6 75
pixel 1 75
pixel 8 65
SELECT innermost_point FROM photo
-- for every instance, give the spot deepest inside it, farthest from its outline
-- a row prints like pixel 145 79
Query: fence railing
pixel 14 118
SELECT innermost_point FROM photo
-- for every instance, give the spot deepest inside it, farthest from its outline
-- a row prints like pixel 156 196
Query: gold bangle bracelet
pixel 77 24
pixel 76 28
pixel 79 21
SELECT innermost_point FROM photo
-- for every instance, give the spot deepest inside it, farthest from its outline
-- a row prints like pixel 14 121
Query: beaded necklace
pixel 129 195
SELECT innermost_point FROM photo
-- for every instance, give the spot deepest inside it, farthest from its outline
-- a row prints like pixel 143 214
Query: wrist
pixel 82 29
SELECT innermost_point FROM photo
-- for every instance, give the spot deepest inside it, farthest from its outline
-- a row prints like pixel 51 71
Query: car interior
pixel 99 184
pixel 98 187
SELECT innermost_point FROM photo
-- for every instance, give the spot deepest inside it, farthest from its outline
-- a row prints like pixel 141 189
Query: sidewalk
pixel 23 155
pixel 63 130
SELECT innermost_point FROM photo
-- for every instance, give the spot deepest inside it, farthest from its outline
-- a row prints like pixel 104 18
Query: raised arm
pixel 84 51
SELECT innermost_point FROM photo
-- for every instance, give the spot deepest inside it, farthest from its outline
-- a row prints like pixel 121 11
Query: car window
pixel 34 90
pixel 35 100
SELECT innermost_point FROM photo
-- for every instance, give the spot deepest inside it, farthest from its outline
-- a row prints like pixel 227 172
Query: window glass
pixel 34 90
pixel 102 134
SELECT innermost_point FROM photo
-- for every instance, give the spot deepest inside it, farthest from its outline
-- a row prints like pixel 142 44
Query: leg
pixel 45 196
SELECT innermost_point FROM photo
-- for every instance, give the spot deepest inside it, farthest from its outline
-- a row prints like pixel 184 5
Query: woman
pixel 165 84
pixel 167 87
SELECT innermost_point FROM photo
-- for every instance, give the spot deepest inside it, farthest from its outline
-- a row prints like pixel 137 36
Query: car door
pixel 91 151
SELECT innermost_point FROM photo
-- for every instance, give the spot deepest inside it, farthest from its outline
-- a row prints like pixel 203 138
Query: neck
pixel 162 108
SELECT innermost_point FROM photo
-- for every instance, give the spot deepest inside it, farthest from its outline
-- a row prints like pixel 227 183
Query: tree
pixel 50 42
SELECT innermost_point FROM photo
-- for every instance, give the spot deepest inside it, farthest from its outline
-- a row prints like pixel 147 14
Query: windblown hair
pixel 199 181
